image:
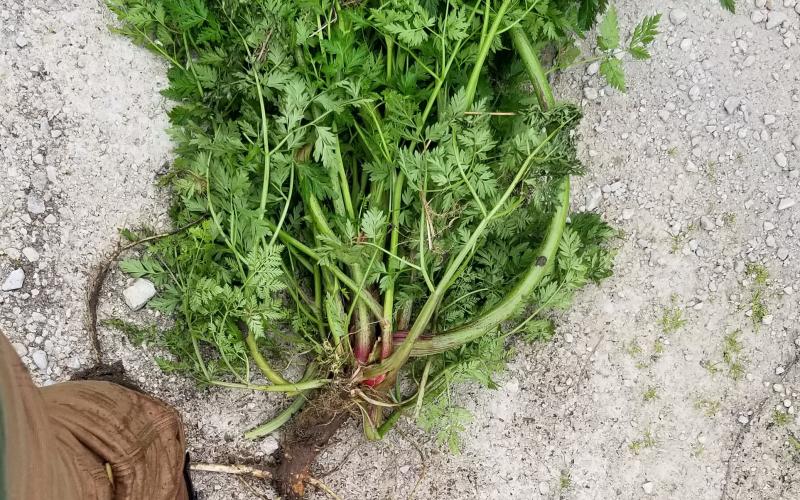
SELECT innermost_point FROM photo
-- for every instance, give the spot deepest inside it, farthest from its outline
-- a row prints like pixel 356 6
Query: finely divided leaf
pixel 373 223
pixel 643 35
pixel 612 70
pixel 588 12
pixel 608 31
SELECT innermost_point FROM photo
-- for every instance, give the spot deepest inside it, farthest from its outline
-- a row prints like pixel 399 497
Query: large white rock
pixel 14 280
pixel 137 295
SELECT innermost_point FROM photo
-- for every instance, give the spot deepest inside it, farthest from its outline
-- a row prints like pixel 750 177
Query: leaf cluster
pixel 352 186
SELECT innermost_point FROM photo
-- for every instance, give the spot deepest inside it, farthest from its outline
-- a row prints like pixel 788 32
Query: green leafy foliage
pixel 355 196
pixel 728 4
pixel 609 44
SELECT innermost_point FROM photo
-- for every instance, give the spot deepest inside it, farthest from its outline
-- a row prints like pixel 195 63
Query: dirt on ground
pixel 675 379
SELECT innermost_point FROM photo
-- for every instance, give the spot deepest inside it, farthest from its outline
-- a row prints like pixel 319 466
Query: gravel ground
pixel 673 380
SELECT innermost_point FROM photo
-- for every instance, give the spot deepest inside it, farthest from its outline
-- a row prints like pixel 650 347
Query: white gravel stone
pixel 35 205
pixel 743 419
pixel 677 16
pixel 781 160
pixel 775 19
pixel 786 203
pixel 14 280
pixel 544 488
pixel 39 359
pixel 731 104
pixel 648 488
pixel 707 223
pixel 20 348
pixel 31 254
pixel 21 41
pixel 593 198
pixel 269 445
pixel 777 388
pixel 590 93
pixel 137 295
pixel 593 68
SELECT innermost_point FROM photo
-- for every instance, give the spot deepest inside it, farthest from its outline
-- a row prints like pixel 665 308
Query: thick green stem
pixel 343 184
pixel 486 44
pixel 389 57
pixel 400 356
pixel 534 68
pixel 287 388
pixel 277 422
pixel 394 243
pixel 546 252
pixel 364 335
pixel 540 267
pixel 272 375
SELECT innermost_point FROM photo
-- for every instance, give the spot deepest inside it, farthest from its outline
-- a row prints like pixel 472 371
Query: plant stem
pixel 534 68
pixel 394 243
pixel 540 267
pixel 289 388
pixel 276 423
pixel 272 375
pixel 486 44
pixel 398 359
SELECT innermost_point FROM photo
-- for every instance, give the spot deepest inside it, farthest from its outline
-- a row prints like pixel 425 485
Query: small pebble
pixel 731 105
pixel 743 419
pixel 648 488
pixel 786 203
pixel 31 254
pixel 35 205
pixel 775 19
pixel 677 16
pixel 593 198
pixel 20 348
pixel 137 295
pixel 39 359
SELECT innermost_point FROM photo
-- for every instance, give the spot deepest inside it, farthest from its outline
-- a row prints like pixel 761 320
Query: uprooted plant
pixel 381 195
